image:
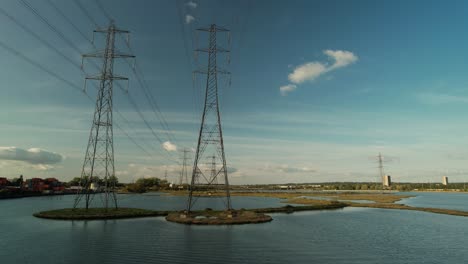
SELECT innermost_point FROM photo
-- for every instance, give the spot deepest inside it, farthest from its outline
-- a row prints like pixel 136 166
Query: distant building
pixel 387 181
pixel 445 180
pixel 4 182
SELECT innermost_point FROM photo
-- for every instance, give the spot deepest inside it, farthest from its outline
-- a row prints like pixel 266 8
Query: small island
pixel 210 217
pixel 98 213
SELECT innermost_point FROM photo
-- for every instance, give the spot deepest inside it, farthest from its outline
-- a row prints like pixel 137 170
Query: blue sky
pixel 358 78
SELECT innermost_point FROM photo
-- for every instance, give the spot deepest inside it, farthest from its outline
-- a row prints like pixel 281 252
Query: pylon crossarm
pixel 100 78
pixel 104 53
pixel 216 49
pixel 213 29
pixel 114 29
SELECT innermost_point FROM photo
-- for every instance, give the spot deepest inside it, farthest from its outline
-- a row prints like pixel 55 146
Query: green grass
pixel 98 213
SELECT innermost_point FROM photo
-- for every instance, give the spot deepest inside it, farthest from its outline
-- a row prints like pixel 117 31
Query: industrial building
pixel 387 181
pixel 444 180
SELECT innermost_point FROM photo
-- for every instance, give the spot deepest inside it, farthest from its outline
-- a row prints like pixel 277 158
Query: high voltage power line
pixel 54 6
pixel 62 36
pixel 143 85
pixel 103 10
pixel 72 85
pixel 163 123
pixel 52 27
pixel 81 7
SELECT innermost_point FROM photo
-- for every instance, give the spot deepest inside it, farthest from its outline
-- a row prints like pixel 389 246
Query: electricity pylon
pixel 381 168
pixel 99 158
pixel 210 137
pixel 184 171
pixel 381 160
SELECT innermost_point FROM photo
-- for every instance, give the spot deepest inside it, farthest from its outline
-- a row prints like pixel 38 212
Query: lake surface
pixel 350 235
pixel 456 201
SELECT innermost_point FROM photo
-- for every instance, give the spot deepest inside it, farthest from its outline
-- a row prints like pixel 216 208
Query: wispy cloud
pixel 307 72
pixel 169 146
pixel 285 168
pixel 287 89
pixel 312 70
pixel 342 58
pixel 43 167
pixel 32 155
pixel 189 19
pixel 191 4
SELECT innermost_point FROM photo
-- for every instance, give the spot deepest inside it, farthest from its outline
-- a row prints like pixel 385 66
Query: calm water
pixel 350 235
pixel 456 201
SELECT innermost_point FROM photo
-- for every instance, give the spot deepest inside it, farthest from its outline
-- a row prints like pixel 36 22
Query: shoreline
pixel 304 201
pixel 124 213
pixel 378 200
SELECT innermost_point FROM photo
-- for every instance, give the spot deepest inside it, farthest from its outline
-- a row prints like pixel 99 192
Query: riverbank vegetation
pixel 143 185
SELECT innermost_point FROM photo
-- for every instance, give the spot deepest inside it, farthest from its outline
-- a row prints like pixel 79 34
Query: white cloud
pixel 43 167
pixel 287 88
pixel 342 58
pixel 32 155
pixel 189 19
pixel 307 72
pixel 169 146
pixel 288 169
pixel 191 4
pixel 312 70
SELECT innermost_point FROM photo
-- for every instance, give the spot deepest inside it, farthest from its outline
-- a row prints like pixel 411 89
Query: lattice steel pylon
pixel 381 168
pixel 98 164
pixel 184 171
pixel 210 139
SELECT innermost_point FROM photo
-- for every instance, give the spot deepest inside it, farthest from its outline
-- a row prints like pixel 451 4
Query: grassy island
pixel 98 213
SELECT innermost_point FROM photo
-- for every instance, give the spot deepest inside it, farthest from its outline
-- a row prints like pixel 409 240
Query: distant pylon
pixel 98 164
pixel 214 171
pixel 184 170
pixel 381 168
pixel 210 137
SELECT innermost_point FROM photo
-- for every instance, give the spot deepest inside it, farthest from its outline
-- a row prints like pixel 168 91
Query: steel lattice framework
pixel 183 179
pixel 99 158
pixel 210 140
